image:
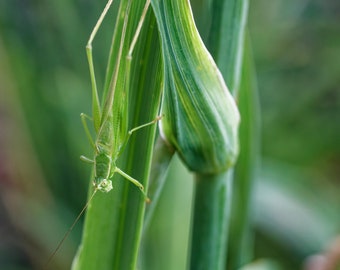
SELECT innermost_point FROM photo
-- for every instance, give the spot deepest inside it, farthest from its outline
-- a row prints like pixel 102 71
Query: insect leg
pixel 83 118
pixel 139 27
pixel 128 135
pixel 134 40
pixel 129 57
pixel 133 181
pixel 86 159
pixel 154 121
pixel 128 67
pixel 96 111
pixel 133 43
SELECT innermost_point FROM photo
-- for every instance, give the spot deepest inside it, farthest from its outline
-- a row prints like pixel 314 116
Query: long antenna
pixel 71 228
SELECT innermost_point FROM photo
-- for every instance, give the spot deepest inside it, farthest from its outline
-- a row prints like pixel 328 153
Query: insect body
pixel 103 158
pixel 107 149
pixel 111 122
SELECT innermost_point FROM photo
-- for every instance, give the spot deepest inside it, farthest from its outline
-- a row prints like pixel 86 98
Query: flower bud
pixel 201 118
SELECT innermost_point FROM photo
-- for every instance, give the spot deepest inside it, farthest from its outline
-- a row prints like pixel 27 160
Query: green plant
pixel 210 155
pixel 45 84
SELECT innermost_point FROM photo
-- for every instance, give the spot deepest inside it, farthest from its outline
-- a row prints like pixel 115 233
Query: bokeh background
pixel 45 85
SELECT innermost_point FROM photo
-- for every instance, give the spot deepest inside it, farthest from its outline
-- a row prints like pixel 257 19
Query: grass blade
pixel 114 221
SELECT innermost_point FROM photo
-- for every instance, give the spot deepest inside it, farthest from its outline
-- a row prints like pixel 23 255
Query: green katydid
pixel 110 122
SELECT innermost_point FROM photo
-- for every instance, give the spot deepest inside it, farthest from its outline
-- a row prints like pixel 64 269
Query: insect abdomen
pixel 102 167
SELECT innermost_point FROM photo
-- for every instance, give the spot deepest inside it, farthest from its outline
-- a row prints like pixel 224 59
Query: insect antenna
pixel 70 229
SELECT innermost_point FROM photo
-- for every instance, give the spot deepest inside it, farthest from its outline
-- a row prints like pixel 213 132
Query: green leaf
pixel 113 224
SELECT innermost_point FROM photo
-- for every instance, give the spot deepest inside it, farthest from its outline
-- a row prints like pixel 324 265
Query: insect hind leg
pixel 139 27
pixel 128 65
pixel 133 181
pixel 96 110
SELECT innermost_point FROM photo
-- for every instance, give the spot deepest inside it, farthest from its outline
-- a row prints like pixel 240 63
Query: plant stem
pixel 210 219
pixel 240 242
pixel 223 33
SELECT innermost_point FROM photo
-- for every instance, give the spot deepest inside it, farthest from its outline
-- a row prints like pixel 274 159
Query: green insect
pixel 110 122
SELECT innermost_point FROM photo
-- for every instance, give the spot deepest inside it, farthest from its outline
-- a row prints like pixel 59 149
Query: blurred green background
pixel 45 85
